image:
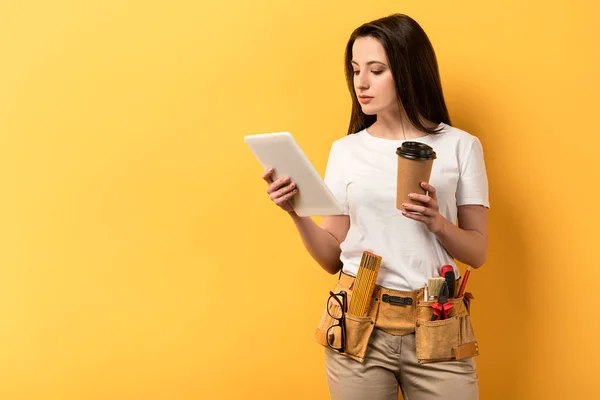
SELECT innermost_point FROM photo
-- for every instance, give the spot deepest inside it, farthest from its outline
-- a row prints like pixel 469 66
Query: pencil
pixel 463 284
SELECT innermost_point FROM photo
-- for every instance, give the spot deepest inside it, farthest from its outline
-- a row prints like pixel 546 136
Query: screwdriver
pixel 448 273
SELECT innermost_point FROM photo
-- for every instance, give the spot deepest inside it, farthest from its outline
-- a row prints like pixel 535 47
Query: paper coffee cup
pixel 415 160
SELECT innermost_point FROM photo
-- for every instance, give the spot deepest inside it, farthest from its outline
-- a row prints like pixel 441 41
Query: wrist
pixel 444 228
pixel 293 214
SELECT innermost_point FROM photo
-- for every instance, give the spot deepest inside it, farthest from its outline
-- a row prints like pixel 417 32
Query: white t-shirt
pixel 362 171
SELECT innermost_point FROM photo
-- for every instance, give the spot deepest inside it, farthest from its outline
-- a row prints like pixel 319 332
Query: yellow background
pixel 140 256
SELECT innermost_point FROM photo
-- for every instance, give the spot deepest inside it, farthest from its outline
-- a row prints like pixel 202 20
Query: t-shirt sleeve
pixel 335 177
pixel 473 183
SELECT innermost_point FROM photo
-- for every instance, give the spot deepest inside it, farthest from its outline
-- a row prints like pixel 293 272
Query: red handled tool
pixel 441 308
pixel 447 273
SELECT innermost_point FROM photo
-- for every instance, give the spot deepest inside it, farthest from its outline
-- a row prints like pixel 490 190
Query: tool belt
pixel 399 313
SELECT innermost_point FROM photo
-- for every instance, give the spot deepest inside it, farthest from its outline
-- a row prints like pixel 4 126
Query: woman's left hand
pixel 430 210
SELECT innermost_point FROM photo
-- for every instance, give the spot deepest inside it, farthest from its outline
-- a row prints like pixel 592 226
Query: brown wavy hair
pixel 414 67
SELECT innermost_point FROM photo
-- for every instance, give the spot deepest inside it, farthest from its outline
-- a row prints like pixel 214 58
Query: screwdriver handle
pixel 447 272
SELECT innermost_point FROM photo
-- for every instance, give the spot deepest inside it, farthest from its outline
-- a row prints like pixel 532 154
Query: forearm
pixel 319 243
pixel 467 246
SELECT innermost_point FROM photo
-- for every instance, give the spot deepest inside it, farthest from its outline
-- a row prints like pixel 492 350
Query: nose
pixel 362 81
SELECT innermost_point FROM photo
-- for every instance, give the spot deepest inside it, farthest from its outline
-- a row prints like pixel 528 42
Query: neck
pixel 395 126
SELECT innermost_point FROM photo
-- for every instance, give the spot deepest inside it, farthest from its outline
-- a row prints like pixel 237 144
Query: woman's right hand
pixel 281 190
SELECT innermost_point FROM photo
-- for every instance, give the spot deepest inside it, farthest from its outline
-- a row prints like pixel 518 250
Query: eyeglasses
pixel 336 308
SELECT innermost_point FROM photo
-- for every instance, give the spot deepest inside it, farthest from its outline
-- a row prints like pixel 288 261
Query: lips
pixel 365 99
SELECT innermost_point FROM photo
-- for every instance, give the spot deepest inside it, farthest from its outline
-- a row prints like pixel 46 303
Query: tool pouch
pixel 358 328
pixel 447 339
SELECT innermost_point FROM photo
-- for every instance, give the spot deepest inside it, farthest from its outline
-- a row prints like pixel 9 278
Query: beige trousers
pixel 391 364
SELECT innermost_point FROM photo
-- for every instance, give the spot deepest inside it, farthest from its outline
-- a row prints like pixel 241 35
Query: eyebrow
pixel 371 62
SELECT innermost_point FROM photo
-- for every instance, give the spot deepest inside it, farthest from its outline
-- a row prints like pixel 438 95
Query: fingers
pixel 278 193
pixel 286 197
pixel 432 191
pixel 420 197
pixel 280 190
pixel 421 209
pixel 416 217
pixel 277 184
pixel 267 175
pixel 429 199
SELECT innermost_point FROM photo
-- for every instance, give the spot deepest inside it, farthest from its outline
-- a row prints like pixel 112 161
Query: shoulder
pixel 455 140
pixel 347 142
pixel 458 135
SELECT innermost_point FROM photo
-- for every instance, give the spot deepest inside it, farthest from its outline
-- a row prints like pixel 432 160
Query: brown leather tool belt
pixel 398 313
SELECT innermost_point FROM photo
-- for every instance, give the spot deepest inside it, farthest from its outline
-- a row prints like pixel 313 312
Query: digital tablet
pixel 280 151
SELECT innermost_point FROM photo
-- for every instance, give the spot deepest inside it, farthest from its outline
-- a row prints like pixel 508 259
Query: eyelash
pixel 374 72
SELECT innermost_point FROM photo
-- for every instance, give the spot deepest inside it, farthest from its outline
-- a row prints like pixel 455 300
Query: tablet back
pixel 280 151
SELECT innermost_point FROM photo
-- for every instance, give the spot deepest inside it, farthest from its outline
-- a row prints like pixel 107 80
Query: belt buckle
pixel 397 300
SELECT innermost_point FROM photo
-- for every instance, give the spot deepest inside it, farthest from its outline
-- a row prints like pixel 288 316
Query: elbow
pixel 481 256
pixel 333 269
pixel 480 260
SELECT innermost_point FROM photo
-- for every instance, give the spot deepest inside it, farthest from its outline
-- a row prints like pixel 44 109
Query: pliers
pixel 441 307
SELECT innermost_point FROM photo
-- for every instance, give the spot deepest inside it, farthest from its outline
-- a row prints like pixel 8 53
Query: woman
pixel 396 92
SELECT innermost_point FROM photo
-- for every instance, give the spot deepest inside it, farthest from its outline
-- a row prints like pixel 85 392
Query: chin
pixel 369 110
